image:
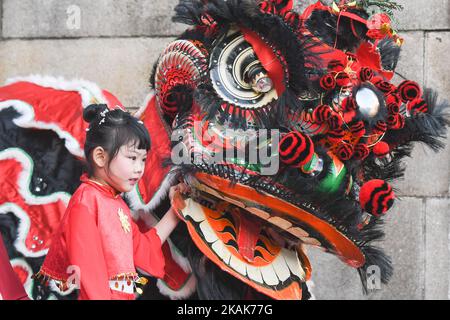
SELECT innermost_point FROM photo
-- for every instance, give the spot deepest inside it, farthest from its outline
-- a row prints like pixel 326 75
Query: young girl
pixel 98 246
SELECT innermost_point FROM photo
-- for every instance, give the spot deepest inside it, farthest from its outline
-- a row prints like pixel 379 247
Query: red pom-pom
pixel 376 197
pixel 342 79
pixel 396 121
pixel 384 86
pixel 380 127
pixel 349 104
pixel 393 103
pixel 361 151
pixel 358 129
pixel 409 90
pixel 381 149
pixel 335 122
pixel 296 149
pixel 345 151
pixel 328 82
pixel 365 74
pixel 322 113
pixel 170 102
pixel 336 66
pixel 417 106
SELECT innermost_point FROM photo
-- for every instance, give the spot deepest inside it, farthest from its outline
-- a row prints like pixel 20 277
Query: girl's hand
pixel 175 195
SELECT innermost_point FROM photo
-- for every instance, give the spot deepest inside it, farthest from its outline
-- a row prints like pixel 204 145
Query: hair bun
pixel 93 111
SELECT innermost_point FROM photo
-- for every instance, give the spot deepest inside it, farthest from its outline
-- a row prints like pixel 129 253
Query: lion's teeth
pixel 238 265
pixel 281 268
pixel 298 232
pixel 208 232
pixel 310 241
pixel 280 222
pixel 193 210
pixel 220 249
pixel 254 273
pixel 294 263
pixel 269 275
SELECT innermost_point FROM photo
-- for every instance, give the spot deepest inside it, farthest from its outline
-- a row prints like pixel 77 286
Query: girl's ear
pixel 100 157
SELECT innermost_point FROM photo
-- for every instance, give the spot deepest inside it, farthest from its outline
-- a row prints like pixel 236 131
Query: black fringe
pixel 390 54
pixel 428 128
pixel 324 25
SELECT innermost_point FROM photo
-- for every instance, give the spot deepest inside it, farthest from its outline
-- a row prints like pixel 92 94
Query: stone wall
pixel 115 45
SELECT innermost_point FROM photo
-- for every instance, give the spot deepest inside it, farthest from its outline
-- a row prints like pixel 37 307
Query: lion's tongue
pixel 249 231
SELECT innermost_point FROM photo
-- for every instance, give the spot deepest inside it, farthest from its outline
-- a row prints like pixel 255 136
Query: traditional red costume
pixel 99 238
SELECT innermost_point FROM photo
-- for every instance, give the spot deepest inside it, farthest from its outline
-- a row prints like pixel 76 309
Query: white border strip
pixel 27 120
pixel 87 90
pixel 23 182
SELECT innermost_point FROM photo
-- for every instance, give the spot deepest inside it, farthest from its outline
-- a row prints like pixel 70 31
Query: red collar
pixel 104 188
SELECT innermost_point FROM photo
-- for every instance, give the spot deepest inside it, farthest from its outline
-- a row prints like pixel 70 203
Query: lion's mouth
pixel 259 238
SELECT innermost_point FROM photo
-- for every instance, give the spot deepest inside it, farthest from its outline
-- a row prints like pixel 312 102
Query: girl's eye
pixel 133 158
pixel 144 160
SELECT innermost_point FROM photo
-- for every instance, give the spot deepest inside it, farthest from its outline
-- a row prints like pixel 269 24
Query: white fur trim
pixel 24 179
pixel 185 292
pixel 179 258
pixel 161 194
pixel 22 232
pixel 142 109
pixel 26 120
pixel 89 91
pixel 23 182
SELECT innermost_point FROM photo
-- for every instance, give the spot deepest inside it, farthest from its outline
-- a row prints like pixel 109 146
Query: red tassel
pixel 345 151
pixel 327 82
pixel 322 113
pixel 365 74
pixel 361 151
pixel 409 90
pixel 380 127
pixel 358 129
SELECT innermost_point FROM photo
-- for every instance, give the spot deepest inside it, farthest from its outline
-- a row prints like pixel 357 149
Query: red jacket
pixel 10 286
pixel 98 236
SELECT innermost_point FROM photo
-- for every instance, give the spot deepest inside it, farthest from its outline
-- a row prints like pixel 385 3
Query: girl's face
pixel 126 168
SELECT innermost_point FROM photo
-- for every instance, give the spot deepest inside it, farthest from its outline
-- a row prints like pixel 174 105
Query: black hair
pixel 111 129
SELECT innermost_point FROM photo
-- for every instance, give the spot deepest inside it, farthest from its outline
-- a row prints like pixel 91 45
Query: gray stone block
pixel 424 15
pixel 333 280
pixel 437 68
pixel 437 249
pixel 122 66
pixel 404 242
pixel 411 64
pixel 427 173
pixel 101 18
